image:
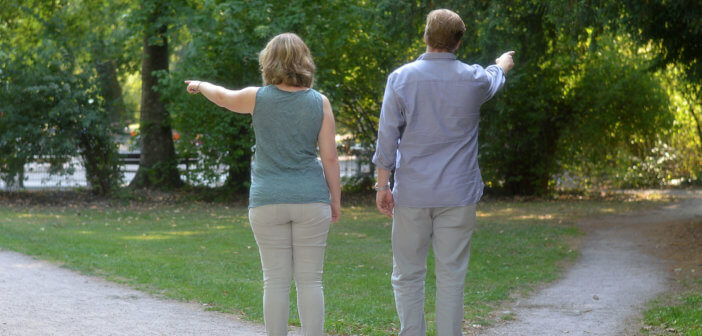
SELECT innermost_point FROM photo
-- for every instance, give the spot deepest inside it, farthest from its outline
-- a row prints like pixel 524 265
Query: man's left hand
pixel 385 202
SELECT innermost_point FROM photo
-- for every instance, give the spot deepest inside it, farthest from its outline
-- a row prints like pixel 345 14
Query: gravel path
pixel 40 298
pixel 605 290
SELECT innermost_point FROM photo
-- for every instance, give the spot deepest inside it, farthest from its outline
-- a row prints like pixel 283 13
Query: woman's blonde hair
pixel 286 59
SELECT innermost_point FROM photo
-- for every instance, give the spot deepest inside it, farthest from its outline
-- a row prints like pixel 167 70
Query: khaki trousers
pixel 449 230
pixel 291 240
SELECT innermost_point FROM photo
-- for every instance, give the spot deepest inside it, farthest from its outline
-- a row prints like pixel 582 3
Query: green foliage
pixel 580 100
pixel 675 25
pixel 225 40
pixel 686 133
pixel 674 29
pixel 356 57
pixel 51 115
pixel 522 125
pixel 353 53
pixel 620 116
pixel 52 60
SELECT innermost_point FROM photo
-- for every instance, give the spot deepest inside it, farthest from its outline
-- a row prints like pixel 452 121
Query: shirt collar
pixel 437 56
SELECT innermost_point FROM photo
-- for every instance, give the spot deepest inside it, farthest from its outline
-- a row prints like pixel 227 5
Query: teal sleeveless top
pixel 285 167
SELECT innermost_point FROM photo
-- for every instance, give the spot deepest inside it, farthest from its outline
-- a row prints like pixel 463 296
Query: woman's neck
pixel 286 87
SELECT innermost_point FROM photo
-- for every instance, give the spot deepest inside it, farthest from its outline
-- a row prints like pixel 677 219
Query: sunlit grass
pixel 207 253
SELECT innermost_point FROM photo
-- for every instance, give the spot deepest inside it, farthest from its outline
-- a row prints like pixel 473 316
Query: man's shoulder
pixel 418 69
pixel 407 71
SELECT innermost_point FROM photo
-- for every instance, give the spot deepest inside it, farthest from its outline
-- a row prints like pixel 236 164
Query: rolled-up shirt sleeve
pixel 494 79
pixel 390 127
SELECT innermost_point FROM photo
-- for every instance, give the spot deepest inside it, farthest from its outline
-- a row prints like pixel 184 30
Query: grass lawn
pixel 682 316
pixel 206 252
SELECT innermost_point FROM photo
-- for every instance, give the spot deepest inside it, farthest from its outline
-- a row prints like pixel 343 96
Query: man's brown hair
pixel 444 30
pixel 286 59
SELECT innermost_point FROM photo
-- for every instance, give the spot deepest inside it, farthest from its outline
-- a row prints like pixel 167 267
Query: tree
pixel 619 125
pixel 52 111
pixel 223 41
pixel 675 25
pixel 526 130
pixel 355 45
pixel 521 127
pixel 676 28
pixel 355 62
pixel 158 167
pixel 112 49
pixel 51 115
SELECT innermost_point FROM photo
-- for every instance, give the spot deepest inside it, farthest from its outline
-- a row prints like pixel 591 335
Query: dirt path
pixel 626 260
pixel 40 298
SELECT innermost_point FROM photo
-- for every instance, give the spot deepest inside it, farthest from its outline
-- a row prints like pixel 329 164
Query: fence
pixel 39 176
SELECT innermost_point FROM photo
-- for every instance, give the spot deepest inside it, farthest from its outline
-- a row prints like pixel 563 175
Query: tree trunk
pixel 111 91
pixel 158 168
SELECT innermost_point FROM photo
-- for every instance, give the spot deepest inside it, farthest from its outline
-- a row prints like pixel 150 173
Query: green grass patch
pixel 681 315
pixel 207 253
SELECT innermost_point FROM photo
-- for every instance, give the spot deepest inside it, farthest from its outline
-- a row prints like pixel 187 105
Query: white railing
pixel 38 175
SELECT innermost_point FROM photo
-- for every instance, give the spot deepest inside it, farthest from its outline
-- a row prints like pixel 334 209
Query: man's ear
pixel 457 45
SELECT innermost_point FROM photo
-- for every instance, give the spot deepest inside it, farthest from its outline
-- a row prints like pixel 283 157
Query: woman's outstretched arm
pixel 239 101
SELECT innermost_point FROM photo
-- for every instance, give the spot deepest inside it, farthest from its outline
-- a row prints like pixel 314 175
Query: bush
pixel 51 114
pixel 652 170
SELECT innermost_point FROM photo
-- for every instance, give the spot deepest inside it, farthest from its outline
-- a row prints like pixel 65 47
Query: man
pixel 428 133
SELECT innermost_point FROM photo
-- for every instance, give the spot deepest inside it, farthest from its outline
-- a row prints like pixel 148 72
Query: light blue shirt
pixel 428 130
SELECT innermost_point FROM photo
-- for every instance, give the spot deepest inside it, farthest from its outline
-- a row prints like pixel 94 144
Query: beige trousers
pixel 291 241
pixel 449 230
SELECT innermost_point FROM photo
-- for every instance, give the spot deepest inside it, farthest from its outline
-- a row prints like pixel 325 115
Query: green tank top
pixel 285 168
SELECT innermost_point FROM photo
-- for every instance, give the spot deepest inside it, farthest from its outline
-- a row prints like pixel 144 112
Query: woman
pixel 292 199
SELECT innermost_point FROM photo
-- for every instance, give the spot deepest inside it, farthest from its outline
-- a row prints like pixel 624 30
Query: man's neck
pixel 432 50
